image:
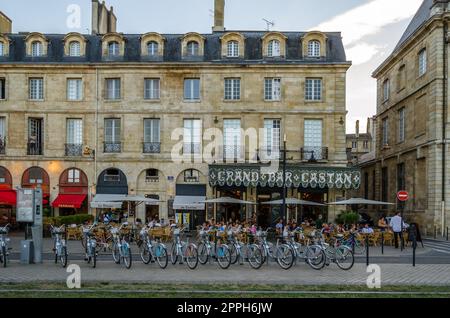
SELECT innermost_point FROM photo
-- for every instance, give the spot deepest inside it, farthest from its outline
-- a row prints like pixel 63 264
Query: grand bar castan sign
pixel 296 176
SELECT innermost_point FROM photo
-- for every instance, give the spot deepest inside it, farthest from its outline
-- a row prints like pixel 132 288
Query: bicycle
pixel 183 251
pixel 253 253
pixel 4 241
pixel 357 246
pixel 121 249
pixel 91 245
pixel 313 255
pixel 337 253
pixel 150 251
pixel 284 255
pixel 208 250
pixel 60 245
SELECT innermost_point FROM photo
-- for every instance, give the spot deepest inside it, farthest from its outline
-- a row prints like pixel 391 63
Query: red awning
pixel 8 197
pixel 69 201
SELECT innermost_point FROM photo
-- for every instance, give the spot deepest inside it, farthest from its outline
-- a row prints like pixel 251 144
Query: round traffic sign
pixel 403 196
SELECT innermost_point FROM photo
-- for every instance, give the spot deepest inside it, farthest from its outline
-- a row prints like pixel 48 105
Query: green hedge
pixel 348 218
pixel 68 220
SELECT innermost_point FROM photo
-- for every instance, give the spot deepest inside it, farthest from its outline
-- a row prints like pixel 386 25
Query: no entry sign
pixel 402 196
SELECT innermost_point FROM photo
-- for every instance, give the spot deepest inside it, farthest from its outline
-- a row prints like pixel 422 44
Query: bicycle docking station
pixel 29 211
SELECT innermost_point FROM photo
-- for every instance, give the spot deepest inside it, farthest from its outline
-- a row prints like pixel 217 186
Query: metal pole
pixel 447 233
pixel 414 244
pixel 382 243
pixel 283 209
pixel 367 249
pixel 435 232
pixel 402 207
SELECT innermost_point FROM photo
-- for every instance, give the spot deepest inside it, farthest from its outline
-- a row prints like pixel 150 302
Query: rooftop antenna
pixel 269 24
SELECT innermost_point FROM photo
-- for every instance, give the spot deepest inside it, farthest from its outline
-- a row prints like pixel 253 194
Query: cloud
pixel 362 52
pixel 369 19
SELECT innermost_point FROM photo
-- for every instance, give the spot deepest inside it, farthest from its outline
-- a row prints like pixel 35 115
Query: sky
pixel 370 28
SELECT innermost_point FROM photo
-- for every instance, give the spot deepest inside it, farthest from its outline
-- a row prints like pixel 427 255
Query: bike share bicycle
pixel 283 254
pixel 183 251
pixel 313 255
pixel 208 250
pixel 150 251
pixel 59 235
pixel 239 249
pixel 91 245
pixel 121 249
pixel 4 249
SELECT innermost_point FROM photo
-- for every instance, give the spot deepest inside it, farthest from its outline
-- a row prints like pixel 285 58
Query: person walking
pixel 397 225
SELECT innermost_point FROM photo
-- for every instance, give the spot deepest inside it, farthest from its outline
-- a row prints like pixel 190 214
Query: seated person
pixel 367 229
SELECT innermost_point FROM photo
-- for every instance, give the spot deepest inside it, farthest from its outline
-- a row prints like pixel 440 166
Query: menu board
pixel 25 204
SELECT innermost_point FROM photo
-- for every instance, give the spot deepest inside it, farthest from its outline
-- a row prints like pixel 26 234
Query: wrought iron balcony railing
pixel 152 147
pixel 112 147
pixel 2 146
pixel 314 154
pixel 34 148
pixel 74 150
pixel 192 148
pixel 233 152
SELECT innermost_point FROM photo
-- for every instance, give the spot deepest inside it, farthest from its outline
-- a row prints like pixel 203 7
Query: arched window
pixel 73 176
pixel 113 49
pixel 112 175
pixel 314 48
pixel 191 175
pixel 274 48
pixel 152 175
pixel 233 49
pixel 152 48
pixel 193 48
pixel 36 49
pixel 2 48
pixel 74 48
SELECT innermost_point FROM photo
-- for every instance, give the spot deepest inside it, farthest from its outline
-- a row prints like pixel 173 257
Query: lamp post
pixel 283 207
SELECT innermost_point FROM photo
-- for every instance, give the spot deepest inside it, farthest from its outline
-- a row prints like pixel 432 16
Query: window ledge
pixel 113 100
pixel 232 100
pixel 152 100
pixel 192 101
pixel 36 100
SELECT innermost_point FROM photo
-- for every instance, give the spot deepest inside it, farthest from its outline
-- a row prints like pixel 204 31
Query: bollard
pixel 435 232
pixel 447 233
pixel 367 249
pixel 382 243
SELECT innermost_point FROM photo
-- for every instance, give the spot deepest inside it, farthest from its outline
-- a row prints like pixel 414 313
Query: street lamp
pixel 283 207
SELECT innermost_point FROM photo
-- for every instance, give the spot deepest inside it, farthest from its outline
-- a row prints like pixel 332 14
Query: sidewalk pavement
pixel 272 274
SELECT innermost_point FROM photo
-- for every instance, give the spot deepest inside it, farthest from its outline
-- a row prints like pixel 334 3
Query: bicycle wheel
pixel 191 256
pixel 3 257
pixel 233 253
pixel 63 256
pixel 146 256
pixel 255 256
pixel 285 256
pixel 344 258
pixel 161 256
pixel 116 253
pixel 127 259
pixel 223 256
pixel 203 254
pixel 315 257
pixel 173 254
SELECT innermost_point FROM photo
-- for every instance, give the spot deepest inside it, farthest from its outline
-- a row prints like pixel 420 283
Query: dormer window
pixel 233 49
pixel 36 49
pixel 75 49
pixel 273 49
pixel 193 48
pixel 314 48
pixel 113 48
pixel 152 48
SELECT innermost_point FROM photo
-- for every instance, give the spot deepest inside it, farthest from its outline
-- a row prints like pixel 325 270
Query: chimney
pixel 219 16
pixel 368 125
pixel 103 20
pixel 5 23
pixel 357 129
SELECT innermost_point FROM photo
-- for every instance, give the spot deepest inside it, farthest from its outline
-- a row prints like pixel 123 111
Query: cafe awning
pixel 74 201
pixel 228 200
pixel 188 203
pixel 108 201
pixel 8 197
pixel 293 201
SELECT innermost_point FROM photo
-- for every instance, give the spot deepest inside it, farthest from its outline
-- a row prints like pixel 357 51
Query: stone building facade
pixel 412 118
pixel 360 143
pixel 92 115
